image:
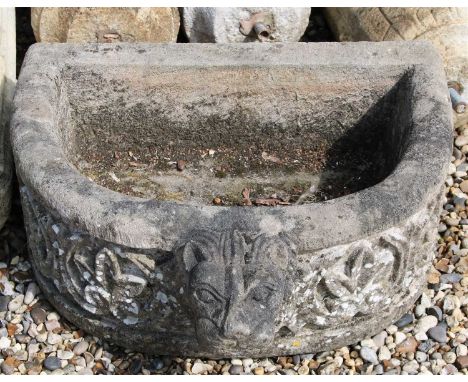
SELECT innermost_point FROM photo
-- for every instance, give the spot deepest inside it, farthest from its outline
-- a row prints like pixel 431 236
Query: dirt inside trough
pixel 223 176
pixel 208 136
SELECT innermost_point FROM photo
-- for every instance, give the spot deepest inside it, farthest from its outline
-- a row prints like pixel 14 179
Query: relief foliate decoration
pixel 366 277
pixel 229 288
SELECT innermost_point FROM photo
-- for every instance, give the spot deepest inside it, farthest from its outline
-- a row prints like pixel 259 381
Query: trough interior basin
pixel 298 134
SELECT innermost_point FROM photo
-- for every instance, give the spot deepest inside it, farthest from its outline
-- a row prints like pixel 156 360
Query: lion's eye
pixel 206 296
pixel 262 293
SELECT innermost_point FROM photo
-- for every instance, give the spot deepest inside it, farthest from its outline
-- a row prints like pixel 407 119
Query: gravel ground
pixel 430 339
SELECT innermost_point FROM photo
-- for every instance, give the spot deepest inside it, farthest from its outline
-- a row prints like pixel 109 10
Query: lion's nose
pixel 235 327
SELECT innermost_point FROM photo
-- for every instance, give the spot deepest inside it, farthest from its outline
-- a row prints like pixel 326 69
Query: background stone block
pixel 105 24
pixel 7 87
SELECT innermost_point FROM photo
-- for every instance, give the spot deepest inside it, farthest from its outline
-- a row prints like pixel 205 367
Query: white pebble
pixel 399 337
pixel 5 343
pixel 425 323
pixel 451 169
pixel 15 304
pixel 65 354
pixel 30 293
pixel 54 339
pixel 384 354
pixel 462 350
pixel 421 336
pixel 53 316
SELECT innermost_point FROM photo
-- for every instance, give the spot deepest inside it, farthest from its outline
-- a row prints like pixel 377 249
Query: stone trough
pixel 232 200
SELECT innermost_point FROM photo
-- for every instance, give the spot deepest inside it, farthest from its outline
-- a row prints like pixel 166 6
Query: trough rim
pixel 135 222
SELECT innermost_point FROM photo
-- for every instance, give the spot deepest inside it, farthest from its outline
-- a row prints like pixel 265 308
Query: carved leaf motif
pixel 350 286
pixel 113 289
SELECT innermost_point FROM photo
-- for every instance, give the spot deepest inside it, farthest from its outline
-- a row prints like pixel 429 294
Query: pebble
pixel 303 370
pixel 421 356
pixel 461 141
pixel 462 362
pixel 156 364
pixel 65 354
pixel 248 362
pixel 438 333
pixel 200 367
pixel 411 367
pixel 450 278
pixel 135 366
pixel 436 312
pixel 425 323
pixel 261 371
pixel 38 315
pixel 420 310
pixel 451 302
pixel 406 319
pixel 16 303
pixel 52 363
pixel 54 339
pixel 5 343
pixel 236 369
pixel 369 355
pixel 384 353
pixel 449 357
pixel 449 370
pixel 52 325
pixel 30 294
pixel 399 337
pixel 452 169
pixel 80 347
pixel 4 301
pixel 379 339
pixel 7 369
pixel 407 346
pixel 462 350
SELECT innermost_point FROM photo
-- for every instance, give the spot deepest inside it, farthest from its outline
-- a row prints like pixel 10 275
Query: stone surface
pixel 155 282
pixel 7 89
pixel 116 24
pixel 446 28
pixel 225 25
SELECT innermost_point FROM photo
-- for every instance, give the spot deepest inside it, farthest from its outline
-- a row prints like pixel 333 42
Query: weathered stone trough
pixel 349 142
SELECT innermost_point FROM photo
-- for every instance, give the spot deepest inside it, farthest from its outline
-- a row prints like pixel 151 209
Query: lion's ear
pixel 202 246
pixel 277 250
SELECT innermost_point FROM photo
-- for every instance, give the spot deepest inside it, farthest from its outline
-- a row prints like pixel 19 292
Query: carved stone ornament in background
pixel 446 28
pixel 187 278
pixel 242 24
pixel 105 24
